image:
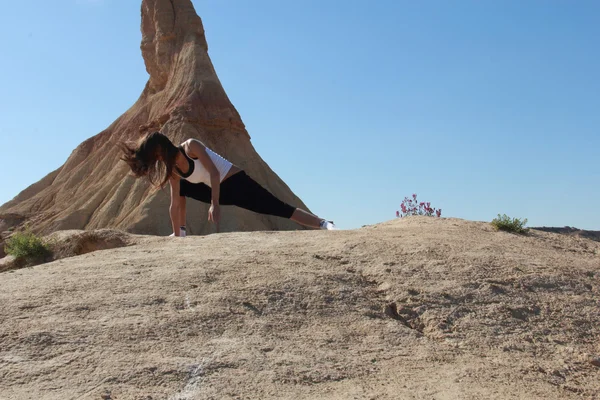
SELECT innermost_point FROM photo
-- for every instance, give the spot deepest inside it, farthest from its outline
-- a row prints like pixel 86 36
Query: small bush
pixel 505 223
pixel 413 207
pixel 27 246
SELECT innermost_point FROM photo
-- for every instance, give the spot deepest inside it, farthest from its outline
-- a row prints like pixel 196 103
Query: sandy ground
pixel 418 308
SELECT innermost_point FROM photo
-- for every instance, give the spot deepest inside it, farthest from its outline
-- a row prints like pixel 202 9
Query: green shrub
pixel 505 223
pixel 27 246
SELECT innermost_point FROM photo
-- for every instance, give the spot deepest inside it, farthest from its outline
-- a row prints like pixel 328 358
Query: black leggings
pixel 242 191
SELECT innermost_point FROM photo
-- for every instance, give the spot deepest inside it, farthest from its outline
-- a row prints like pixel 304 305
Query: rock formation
pixel 184 99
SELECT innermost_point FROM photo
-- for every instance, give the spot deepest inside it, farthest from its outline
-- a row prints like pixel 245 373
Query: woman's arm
pixel 198 150
pixel 182 219
pixel 175 207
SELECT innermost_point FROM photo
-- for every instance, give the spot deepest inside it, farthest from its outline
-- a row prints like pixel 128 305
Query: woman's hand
pixel 214 213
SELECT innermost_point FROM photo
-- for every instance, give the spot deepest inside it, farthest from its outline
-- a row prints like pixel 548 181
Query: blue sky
pixel 480 107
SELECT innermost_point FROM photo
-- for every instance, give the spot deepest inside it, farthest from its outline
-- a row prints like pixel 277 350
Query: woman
pixel 195 171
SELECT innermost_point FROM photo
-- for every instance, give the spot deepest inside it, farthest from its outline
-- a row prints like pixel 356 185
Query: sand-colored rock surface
pixel 64 244
pixel 76 242
pixel 417 308
pixel 571 231
pixel 9 262
pixel 184 99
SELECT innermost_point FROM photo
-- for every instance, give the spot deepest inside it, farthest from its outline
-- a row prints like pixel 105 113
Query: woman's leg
pixel 305 218
pixel 243 191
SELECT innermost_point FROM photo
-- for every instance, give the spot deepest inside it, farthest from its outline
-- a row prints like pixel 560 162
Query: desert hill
pixel 184 99
pixel 415 308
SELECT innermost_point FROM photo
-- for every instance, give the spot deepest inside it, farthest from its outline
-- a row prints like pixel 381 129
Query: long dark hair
pixel 153 156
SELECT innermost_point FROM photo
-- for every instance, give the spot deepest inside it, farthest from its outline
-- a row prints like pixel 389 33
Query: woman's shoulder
pixel 192 146
pixel 189 142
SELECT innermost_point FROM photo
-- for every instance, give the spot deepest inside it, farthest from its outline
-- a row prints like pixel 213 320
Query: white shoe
pixel 182 232
pixel 328 225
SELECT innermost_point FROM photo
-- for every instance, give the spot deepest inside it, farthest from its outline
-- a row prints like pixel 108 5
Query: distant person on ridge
pixel 193 170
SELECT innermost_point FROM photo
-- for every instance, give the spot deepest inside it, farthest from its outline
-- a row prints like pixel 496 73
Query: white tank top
pixel 198 174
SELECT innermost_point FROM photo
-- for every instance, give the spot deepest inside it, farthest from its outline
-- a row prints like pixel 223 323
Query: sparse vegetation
pixel 28 247
pixel 514 225
pixel 413 207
